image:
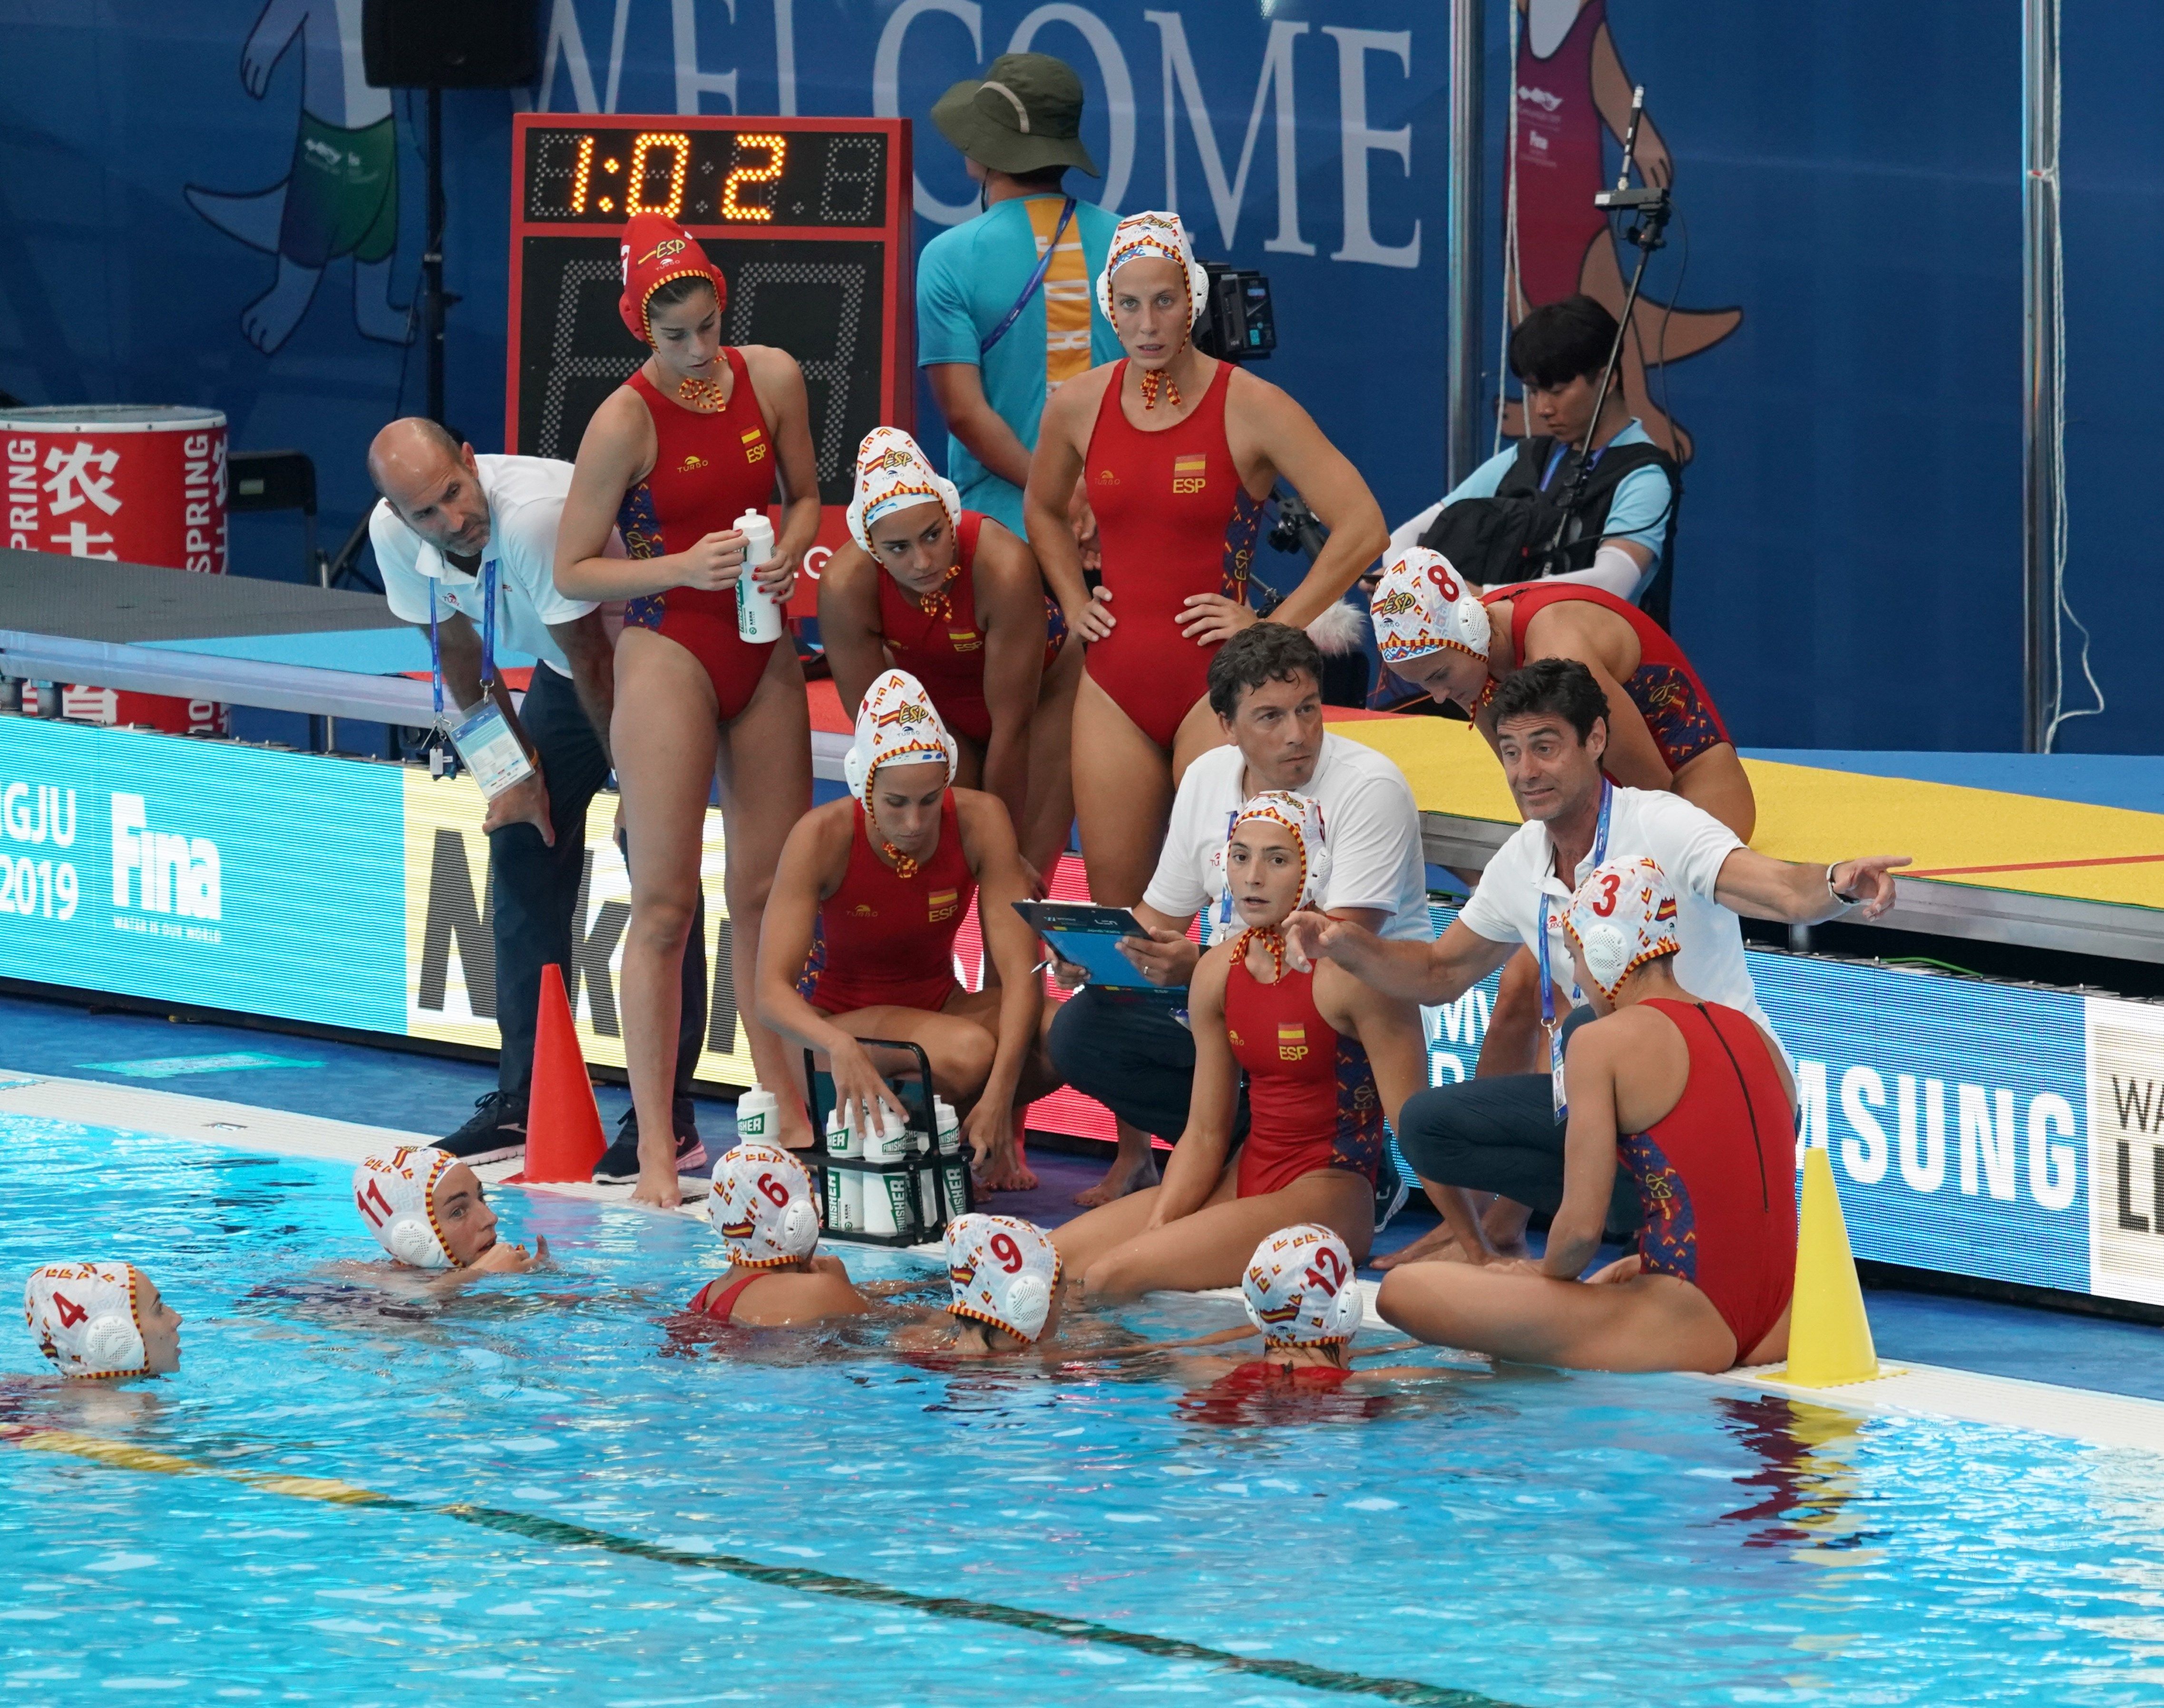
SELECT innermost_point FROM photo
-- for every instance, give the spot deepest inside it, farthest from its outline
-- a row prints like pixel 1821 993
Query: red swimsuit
pixel 1311 1097
pixel 708 470
pixel 884 939
pixel 944 647
pixel 1174 521
pixel 1666 690
pixel 1730 1139
pixel 721 1306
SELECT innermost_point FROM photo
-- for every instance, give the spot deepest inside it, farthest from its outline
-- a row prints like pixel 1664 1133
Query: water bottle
pixel 845 1199
pixel 888 1209
pixel 758 1116
pixel 953 1171
pixel 928 1188
pixel 759 613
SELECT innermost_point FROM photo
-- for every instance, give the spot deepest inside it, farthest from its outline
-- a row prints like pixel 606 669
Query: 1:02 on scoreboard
pixel 707 177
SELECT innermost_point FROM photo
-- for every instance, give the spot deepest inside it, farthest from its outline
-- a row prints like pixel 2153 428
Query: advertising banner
pixel 450 964
pixel 201 872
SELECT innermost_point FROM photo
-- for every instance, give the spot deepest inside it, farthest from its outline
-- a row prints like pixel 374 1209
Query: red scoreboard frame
pixel 804 217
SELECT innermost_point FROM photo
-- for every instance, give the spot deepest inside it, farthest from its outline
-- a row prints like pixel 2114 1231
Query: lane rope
pixel 559 1533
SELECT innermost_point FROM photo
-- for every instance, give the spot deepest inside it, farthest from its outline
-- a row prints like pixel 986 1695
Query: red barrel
pixel 137 483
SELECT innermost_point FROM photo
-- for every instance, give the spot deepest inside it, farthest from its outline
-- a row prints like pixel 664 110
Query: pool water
pixel 1529 1538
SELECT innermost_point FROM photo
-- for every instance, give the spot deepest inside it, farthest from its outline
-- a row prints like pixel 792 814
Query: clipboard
pixel 1088 936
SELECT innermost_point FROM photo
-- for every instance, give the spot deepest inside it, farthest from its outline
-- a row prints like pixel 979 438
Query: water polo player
pixel 429 1211
pixel 762 1208
pixel 1327 1058
pixel 101 1322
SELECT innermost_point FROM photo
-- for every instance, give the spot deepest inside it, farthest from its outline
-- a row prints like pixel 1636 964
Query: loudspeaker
pixel 450 43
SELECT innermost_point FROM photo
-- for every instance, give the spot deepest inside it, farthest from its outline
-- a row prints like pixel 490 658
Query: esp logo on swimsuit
pixel 755 445
pixel 942 905
pixel 963 639
pixel 1191 473
pixel 1292 1041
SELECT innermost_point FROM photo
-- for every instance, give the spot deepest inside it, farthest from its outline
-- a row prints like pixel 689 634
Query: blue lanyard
pixel 1028 291
pixel 1599 853
pixel 487 636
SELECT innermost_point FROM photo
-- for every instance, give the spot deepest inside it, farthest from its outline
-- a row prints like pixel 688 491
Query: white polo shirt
pixel 1368 819
pixel 1685 842
pixel 525 502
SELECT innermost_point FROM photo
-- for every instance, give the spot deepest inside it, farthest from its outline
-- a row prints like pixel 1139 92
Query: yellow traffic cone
pixel 1829 1335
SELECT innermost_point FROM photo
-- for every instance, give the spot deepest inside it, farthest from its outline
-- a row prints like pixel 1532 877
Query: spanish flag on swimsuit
pixel 1292 1041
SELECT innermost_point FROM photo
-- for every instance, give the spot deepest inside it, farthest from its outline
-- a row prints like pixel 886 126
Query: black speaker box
pixel 450 43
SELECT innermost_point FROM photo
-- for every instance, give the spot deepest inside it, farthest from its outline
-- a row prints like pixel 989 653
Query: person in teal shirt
pixel 990 367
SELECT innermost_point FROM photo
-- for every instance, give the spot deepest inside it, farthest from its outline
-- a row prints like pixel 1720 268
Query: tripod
pixel 1651 210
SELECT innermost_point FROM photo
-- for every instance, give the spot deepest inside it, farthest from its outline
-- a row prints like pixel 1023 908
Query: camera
pixel 1236 324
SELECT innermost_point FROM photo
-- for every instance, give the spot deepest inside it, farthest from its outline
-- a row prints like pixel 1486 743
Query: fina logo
pixel 162 871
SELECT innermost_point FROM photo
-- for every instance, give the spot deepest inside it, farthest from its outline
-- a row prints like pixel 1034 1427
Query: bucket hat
pixel 1024 115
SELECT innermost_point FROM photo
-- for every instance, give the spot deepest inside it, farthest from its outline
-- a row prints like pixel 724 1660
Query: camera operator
pixel 1616 532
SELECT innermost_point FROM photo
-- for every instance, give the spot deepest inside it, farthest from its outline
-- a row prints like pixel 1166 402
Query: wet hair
pixel 1262 652
pixel 681 289
pixel 1557 342
pixel 1562 686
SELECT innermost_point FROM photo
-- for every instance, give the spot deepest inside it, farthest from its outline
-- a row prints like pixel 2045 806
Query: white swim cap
pixel 1161 235
pixel 1002 1270
pixel 1422 605
pixel 762 1207
pixel 87 1318
pixel 1302 816
pixel 897 721
pixel 1623 916
pixel 1300 1288
pixel 892 474
pixel 397 1197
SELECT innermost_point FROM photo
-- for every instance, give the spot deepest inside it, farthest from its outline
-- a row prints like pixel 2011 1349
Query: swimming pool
pixel 583 1512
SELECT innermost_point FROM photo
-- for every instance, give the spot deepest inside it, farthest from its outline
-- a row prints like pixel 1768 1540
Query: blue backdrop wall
pixel 1848 176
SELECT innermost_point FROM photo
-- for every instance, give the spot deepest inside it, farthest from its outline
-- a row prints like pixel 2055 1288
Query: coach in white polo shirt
pixel 447 521
pixel 1266 687
pixel 1500 1134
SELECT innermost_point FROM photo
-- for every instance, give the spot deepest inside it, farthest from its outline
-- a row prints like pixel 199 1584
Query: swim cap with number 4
pixel 1299 1289
pixel 762 1208
pixel 1002 1270
pixel 1422 605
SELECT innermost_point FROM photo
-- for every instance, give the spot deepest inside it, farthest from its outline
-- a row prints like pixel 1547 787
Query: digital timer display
pixel 809 221
pixel 824 180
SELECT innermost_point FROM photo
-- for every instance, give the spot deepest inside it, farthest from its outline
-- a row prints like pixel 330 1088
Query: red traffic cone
pixel 563 1126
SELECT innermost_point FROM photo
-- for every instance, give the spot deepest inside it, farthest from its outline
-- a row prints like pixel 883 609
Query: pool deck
pixel 2087 1378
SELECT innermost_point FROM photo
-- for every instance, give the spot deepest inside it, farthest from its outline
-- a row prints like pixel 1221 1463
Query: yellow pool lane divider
pixel 120 1455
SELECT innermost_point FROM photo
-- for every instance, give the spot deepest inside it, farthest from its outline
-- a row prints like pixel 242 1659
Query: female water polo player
pixel 698 434
pixel 1664 732
pixel 860 933
pixel 1178 452
pixel 428 1211
pixel 101 1322
pixel 1004 1275
pixel 949 595
pixel 1326 1060
pixel 1696 1103
pixel 762 1208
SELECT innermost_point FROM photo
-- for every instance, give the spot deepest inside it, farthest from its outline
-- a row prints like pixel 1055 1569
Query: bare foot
pixel 1012 1174
pixel 1438 1245
pixel 1118 1182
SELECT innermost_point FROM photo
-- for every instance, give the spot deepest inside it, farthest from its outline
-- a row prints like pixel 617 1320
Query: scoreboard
pixel 806 219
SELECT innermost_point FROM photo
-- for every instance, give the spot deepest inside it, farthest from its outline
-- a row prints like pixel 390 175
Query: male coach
pixel 450 523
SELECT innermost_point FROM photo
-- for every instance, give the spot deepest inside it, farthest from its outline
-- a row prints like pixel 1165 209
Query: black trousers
pixel 1133 1057
pixel 540 893
pixel 1500 1134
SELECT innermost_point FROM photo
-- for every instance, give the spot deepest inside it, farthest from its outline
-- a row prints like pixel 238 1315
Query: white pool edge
pixel 1921 1390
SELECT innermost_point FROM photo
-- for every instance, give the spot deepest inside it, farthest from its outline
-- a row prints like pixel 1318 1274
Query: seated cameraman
pixel 1617 534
